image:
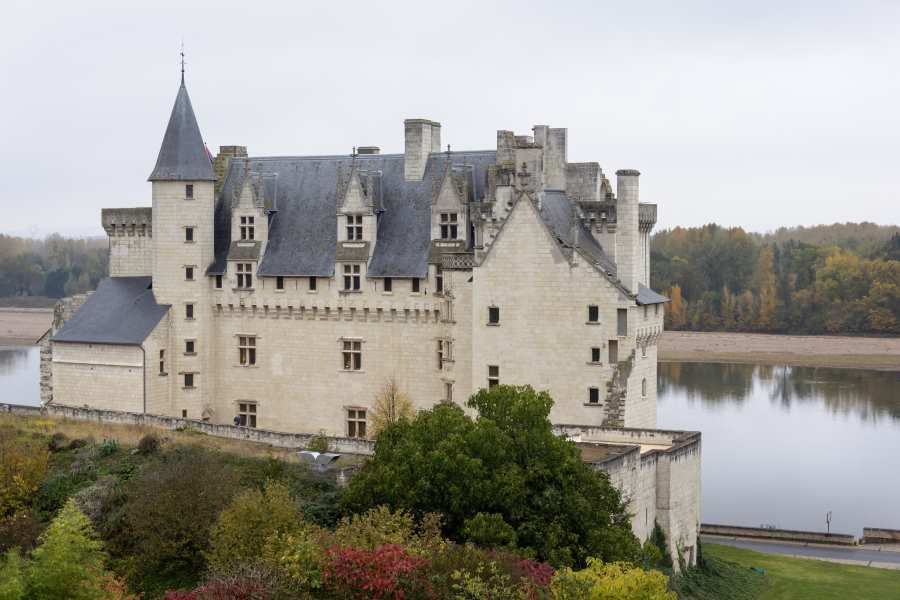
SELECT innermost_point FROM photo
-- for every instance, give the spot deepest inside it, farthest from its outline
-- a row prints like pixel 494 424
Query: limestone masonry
pixel 283 293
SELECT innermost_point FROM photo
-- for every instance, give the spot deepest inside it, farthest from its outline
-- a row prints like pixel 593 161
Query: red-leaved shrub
pixel 388 572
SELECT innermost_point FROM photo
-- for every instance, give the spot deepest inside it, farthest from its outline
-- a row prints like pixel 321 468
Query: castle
pixel 283 293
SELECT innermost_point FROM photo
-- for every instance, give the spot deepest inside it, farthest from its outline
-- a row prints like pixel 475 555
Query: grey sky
pixel 757 114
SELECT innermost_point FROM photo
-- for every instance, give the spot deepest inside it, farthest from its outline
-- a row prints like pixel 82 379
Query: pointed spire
pixel 183 155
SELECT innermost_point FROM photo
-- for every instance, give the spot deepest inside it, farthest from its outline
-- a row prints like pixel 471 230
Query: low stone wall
pixel 788 535
pixel 273 438
pixel 878 535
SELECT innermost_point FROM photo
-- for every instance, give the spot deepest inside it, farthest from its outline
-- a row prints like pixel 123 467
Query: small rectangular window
pixel 189 273
pixel 351 277
pixel 593 313
pixel 188 311
pixel 189 191
pixel 248 228
pixel 189 346
pixel 613 352
pixel 247 350
pixel 439 279
pixel 415 285
pixel 184 413
pixel 644 387
pixel 644 350
pixel 493 376
pixel 595 355
pixel 246 416
pixel 448 391
pixel 622 321
pixel 440 354
pixel 188 380
pixel 354 227
pixel 356 423
pixel 312 284
pixel 656 310
pixel 593 395
pixel 244 275
pixel 218 282
pixel 449 226
pixel 162 362
pixel 189 234
pixel 388 284
pixel 352 355
pixel 646 311
pixel 493 315
pixel 279 283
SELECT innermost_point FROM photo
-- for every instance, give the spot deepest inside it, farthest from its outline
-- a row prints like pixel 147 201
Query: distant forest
pixel 32 271
pixel 835 279
pixel 842 278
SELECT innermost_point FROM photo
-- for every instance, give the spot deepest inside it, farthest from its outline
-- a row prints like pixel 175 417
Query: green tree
pixel 69 563
pixel 12 576
pixel 508 463
pixel 241 531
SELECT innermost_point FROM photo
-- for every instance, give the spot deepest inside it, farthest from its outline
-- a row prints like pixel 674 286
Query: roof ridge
pixel 359 157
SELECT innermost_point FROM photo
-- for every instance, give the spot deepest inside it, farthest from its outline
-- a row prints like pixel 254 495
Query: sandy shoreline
pixel 799 350
pixel 23 326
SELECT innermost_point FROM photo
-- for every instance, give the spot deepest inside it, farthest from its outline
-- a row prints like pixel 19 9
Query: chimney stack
pixel 628 255
pixel 421 137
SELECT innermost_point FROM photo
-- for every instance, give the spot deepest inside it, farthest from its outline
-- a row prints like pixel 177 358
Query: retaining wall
pixel 789 535
pixel 878 535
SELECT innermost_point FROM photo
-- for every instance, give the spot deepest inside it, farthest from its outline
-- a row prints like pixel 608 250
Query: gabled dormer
pixel 450 206
pixel 356 199
pixel 249 232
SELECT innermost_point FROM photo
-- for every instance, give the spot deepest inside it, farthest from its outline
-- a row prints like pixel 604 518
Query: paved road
pixel 871 556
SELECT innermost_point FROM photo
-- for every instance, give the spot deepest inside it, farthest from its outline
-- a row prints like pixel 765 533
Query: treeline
pixel 726 279
pixel 53 267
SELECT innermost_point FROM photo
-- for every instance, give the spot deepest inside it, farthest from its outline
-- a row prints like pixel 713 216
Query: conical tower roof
pixel 182 156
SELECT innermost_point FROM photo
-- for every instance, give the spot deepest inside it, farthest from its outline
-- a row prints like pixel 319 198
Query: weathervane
pixel 182 62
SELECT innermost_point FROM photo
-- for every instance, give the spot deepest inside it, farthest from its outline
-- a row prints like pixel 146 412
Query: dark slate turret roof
pixel 559 214
pixel 183 156
pixel 123 310
pixel 303 228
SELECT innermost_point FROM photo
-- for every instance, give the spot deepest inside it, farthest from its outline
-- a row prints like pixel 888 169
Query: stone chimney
pixel 628 254
pixel 223 159
pixel 553 141
pixel 421 138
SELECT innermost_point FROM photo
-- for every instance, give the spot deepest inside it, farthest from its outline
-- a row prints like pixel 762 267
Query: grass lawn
pixel 802 579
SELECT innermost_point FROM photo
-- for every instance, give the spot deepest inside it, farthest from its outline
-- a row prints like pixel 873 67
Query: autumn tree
pixel 391 405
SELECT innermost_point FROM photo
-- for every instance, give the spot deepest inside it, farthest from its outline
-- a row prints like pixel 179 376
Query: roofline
pixel 358 156
pixel 55 341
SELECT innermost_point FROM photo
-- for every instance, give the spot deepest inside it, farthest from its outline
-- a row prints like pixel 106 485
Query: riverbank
pixel 796 350
pixel 23 326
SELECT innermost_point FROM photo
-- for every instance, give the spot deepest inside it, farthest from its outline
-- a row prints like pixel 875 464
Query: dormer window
pixel 189 191
pixel 449 226
pixel 247 228
pixel 351 277
pixel 354 227
pixel 245 275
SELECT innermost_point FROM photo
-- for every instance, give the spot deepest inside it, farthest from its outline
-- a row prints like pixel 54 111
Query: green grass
pixel 803 579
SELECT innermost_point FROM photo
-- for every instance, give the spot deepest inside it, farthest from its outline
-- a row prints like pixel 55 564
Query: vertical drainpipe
pixel 144 372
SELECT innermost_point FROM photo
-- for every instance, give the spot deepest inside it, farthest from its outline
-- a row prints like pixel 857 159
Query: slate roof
pixel 558 212
pixel 303 228
pixel 123 310
pixel 647 296
pixel 183 156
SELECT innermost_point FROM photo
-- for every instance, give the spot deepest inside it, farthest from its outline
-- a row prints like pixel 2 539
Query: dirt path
pixel 23 325
pixel 801 350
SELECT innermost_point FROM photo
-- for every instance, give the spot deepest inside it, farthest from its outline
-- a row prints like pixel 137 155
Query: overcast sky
pixel 758 114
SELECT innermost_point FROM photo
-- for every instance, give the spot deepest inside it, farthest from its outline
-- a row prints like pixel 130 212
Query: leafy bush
pixel 508 462
pixel 386 572
pixel 95 500
pixel 12 576
pixel 23 465
pixel 107 448
pixel 611 581
pixel 489 530
pixel 318 443
pixel 169 508
pixel 381 526
pixel 58 442
pixel 241 531
pixel 297 557
pixel 55 491
pixel 69 563
pixel 148 444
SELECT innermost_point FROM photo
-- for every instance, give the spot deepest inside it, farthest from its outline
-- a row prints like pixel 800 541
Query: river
pixel 784 446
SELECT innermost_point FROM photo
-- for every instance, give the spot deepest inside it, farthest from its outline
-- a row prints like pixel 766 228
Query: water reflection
pixel 20 375
pixel 13 359
pixel 869 395
pixel 786 445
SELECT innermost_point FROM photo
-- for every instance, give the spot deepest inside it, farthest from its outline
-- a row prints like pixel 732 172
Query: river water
pixel 783 446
